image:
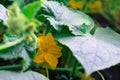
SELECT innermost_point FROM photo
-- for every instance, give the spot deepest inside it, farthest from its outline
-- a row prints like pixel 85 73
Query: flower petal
pixel 39 57
pixel 56 51
pixel 51 60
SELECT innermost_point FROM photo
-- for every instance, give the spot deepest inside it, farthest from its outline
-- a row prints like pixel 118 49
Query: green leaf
pixel 3 12
pixel 18 51
pixel 108 35
pixel 95 52
pixel 7 42
pixel 21 50
pixel 15 51
pixel 59 15
pixel 31 9
pixel 29 75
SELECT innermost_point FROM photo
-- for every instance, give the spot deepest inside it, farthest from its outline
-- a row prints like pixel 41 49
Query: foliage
pixel 65 43
pixel 99 52
pixel 29 75
pixel 19 39
pixel 3 13
pixel 31 9
pixel 54 13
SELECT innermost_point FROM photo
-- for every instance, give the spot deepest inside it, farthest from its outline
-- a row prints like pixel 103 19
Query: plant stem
pixel 9 67
pixel 61 69
pixel 10 44
pixel 34 37
pixel 83 4
pixel 102 77
pixel 47 72
pixel 68 69
pixel 68 59
pixel 87 6
pixel 74 70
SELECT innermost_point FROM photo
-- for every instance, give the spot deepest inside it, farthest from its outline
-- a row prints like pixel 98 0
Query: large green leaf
pixel 3 12
pixel 95 52
pixel 58 15
pixel 18 51
pixel 108 35
pixel 31 9
pixel 29 75
pixel 21 50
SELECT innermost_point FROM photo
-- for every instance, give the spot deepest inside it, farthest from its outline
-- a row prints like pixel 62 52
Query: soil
pixel 112 73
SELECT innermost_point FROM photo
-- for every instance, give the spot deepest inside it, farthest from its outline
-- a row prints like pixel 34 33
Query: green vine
pixel 10 44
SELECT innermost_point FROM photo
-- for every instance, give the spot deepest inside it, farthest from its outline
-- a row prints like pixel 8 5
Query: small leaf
pixel 95 52
pixel 3 12
pixel 29 75
pixel 31 9
pixel 59 15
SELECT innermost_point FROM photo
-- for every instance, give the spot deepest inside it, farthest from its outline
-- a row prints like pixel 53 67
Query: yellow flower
pixel 97 5
pixel 74 4
pixel 48 51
